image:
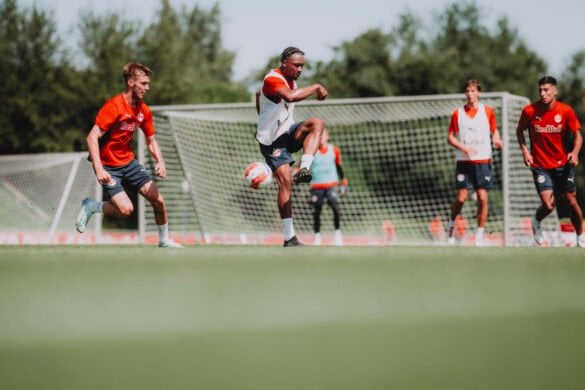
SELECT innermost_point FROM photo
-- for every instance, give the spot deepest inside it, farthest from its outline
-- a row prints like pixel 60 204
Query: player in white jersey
pixel 279 135
pixel 471 131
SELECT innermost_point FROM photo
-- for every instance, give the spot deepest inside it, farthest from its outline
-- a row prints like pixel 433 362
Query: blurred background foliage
pixel 48 101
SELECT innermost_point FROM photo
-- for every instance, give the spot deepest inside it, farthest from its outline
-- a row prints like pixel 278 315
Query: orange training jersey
pixel 547 130
pixel 119 120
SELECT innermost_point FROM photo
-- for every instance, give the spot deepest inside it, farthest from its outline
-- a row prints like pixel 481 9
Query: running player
pixel 553 166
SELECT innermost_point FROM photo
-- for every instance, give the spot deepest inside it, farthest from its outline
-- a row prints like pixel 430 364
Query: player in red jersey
pixel 279 135
pixel 471 132
pixel 110 151
pixel 553 167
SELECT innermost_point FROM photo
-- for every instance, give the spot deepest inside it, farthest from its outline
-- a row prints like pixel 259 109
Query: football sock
pixel 479 233
pixel 450 228
pixel 163 232
pixel 306 161
pixel 289 230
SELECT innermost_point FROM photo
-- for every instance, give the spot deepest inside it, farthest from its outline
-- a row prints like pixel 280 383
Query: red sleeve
pixel 272 84
pixel 572 120
pixel 524 121
pixel 337 153
pixel 148 123
pixel 107 116
pixel 454 123
pixel 491 114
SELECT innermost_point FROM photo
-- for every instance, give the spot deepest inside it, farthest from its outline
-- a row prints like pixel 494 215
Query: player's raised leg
pixel 309 134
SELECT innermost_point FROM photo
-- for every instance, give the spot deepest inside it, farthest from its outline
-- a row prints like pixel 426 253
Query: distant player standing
pixel 279 136
pixel 471 130
pixel 552 166
pixel 327 176
pixel 110 150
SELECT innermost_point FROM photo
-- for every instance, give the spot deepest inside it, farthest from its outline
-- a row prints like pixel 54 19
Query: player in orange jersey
pixel 110 151
pixel 553 166
pixel 471 131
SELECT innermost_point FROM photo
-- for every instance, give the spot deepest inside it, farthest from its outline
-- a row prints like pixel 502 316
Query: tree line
pixel 48 102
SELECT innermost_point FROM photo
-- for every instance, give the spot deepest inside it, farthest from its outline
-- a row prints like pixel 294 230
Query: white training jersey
pixel 274 118
pixel 474 132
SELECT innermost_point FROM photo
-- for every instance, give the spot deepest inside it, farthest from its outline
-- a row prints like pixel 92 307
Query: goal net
pixel 400 168
pixel 41 195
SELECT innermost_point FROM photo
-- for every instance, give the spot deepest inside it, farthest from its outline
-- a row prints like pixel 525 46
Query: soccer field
pixel 251 317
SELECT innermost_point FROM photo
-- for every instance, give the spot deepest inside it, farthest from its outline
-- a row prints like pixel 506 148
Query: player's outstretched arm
pixel 298 94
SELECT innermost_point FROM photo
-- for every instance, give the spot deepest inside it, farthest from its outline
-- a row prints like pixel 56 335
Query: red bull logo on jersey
pixel 548 129
pixel 127 126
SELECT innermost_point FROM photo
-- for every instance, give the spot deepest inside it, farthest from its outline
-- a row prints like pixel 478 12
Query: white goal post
pixel 395 156
pixel 41 195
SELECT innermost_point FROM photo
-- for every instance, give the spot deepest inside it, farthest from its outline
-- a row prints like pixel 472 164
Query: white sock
pixel 289 229
pixel 450 229
pixel 306 161
pixel 163 232
pixel 479 233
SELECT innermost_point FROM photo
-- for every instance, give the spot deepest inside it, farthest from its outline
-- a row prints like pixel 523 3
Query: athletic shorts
pixel 132 176
pixel 558 179
pixel 473 176
pixel 281 150
pixel 318 196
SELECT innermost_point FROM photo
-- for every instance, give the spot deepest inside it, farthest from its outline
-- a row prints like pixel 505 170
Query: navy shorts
pixel 473 176
pixel 281 150
pixel 318 196
pixel 132 176
pixel 558 179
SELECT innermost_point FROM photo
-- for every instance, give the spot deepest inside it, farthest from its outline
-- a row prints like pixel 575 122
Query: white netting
pixel 41 195
pixel 395 155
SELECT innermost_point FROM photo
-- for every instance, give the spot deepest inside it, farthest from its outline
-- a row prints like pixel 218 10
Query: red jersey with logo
pixel 119 120
pixel 547 129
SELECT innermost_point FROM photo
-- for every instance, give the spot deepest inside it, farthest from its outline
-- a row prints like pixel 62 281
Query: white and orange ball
pixel 258 174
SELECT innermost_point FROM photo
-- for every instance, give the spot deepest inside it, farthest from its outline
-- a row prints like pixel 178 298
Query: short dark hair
pixel 547 80
pixel 472 83
pixel 132 69
pixel 289 51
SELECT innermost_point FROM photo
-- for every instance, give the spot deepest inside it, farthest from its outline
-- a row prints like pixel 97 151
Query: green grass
pixel 247 317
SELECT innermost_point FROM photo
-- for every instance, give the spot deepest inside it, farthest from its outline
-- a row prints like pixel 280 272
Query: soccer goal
pixel 41 195
pixel 395 156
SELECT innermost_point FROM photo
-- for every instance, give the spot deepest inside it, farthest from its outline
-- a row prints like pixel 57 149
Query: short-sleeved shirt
pixel 119 120
pixel 547 129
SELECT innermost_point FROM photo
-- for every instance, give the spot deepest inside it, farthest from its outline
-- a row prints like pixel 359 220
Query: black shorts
pixel 281 150
pixel 473 176
pixel 318 196
pixel 558 179
pixel 132 176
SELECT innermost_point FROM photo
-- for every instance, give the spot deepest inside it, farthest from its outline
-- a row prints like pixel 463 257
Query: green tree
pixel 36 86
pixel 360 68
pixel 185 51
pixel 572 92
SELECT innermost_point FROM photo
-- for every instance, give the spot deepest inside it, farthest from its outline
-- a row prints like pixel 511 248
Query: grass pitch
pixel 248 317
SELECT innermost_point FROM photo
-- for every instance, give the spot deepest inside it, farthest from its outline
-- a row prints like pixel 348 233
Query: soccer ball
pixel 258 174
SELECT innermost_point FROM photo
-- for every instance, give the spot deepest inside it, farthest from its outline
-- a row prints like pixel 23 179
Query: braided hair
pixel 289 51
